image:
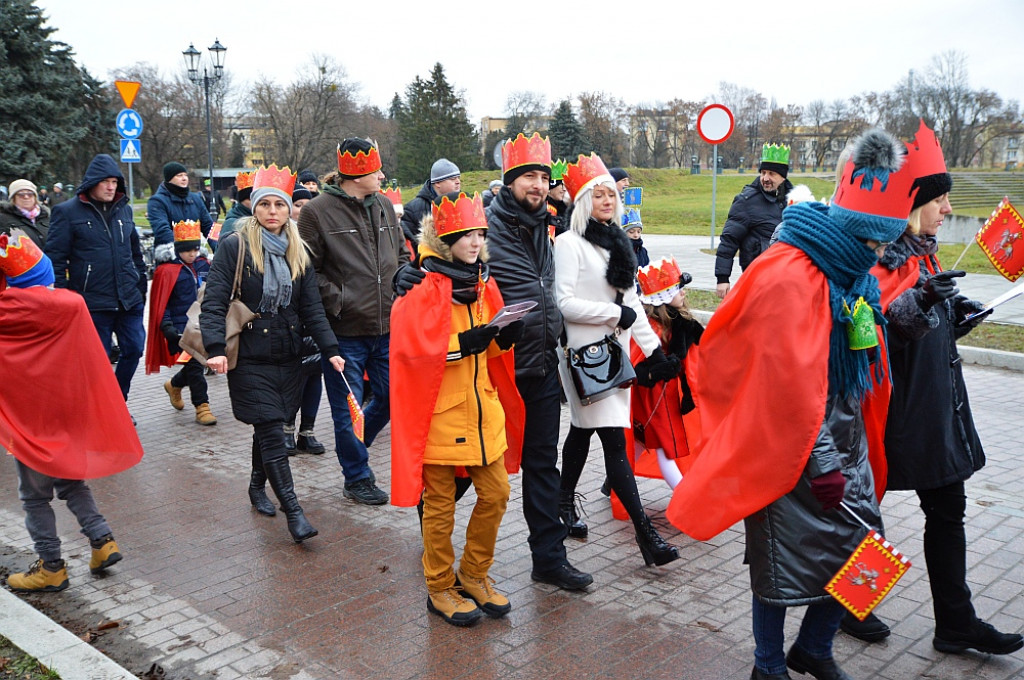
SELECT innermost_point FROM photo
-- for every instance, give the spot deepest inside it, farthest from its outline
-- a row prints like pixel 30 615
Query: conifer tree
pixel 566 134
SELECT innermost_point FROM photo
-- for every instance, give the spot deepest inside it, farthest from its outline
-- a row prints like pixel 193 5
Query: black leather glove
pixel 476 340
pixel 170 332
pixel 941 287
pixel 964 308
pixel 656 368
pixel 511 334
pixel 406 277
pixel 626 317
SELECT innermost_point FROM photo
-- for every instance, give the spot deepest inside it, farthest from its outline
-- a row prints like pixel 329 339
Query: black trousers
pixel 191 376
pixel 945 555
pixel 540 470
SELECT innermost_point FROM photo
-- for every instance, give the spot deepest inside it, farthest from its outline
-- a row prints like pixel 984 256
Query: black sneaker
pixel 565 576
pixel 871 629
pixel 982 637
pixel 366 492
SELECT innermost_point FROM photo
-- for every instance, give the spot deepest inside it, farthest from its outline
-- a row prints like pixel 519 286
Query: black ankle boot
pixel 652 546
pixel 306 441
pixel 257 486
pixel 280 475
pixel 570 516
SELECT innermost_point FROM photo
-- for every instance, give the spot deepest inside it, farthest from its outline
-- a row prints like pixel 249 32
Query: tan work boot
pixel 39 579
pixel 203 415
pixel 481 591
pixel 104 554
pixel 453 608
pixel 175 394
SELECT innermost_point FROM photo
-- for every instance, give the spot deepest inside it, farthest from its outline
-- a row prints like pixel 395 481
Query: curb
pixel 977 356
pixel 53 645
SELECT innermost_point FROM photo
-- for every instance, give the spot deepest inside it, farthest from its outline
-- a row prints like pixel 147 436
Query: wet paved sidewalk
pixel 209 589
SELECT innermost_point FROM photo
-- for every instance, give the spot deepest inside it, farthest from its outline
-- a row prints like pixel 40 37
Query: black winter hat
pixel 173 168
pixel 308 176
pixel 618 174
pixel 931 187
pixel 300 193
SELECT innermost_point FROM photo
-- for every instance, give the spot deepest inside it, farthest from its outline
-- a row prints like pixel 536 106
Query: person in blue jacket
pixel 173 203
pixel 95 252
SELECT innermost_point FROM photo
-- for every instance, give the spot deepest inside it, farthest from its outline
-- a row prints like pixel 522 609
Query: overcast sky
pixel 641 52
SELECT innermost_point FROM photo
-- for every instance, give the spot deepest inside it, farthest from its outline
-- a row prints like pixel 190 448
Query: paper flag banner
pixel 1000 239
pixel 872 570
pixel 355 411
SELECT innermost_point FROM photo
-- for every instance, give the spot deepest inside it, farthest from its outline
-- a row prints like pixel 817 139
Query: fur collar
pixel 621 272
pixel 430 239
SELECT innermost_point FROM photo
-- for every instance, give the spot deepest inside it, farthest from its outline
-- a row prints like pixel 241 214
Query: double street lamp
pixel 192 59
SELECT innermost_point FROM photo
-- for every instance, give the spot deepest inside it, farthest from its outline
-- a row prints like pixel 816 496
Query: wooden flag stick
pixel 962 254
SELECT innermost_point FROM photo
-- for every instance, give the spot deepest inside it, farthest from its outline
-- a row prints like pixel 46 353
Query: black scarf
pixel 180 192
pixel 621 272
pixel 465 277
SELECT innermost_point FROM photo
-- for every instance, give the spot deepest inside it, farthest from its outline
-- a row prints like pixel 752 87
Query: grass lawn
pixel 17 665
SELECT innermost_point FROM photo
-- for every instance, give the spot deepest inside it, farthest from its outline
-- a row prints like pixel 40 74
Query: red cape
pixel 61 410
pixel 760 382
pixel 420 329
pixel 157 354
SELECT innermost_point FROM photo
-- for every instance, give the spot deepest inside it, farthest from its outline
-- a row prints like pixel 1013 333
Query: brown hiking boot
pixel 481 591
pixel 453 608
pixel 203 415
pixel 175 394
pixel 39 579
pixel 104 554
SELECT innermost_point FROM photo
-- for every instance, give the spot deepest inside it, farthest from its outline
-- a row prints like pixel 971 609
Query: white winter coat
pixel 587 303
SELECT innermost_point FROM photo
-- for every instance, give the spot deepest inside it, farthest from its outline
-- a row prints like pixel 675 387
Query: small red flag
pixel 872 570
pixel 355 411
pixel 1000 238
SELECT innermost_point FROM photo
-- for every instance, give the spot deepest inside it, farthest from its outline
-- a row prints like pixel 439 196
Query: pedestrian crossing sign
pixel 131 151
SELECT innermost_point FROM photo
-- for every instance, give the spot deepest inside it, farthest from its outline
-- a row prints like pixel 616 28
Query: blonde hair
pixel 584 203
pixel 664 314
pixel 914 220
pixel 295 255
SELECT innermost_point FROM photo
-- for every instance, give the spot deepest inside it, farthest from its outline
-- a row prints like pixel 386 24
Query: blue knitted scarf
pixel 845 262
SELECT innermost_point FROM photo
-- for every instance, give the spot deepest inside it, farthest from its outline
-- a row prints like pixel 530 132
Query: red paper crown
pixel 362 163
pixel 243 180
pixel 659 276
pixel 18 254
pixel 187 230
pixel 278 178
pixel 584 173
pixel 393 195
pixel 924 155
pixel 890 196
pixel 463 215
pixel 535 150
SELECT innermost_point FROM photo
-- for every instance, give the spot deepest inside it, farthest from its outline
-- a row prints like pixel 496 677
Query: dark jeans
pixel 362 354
pixel 131 338
pixel 945 555
pixel 540 470
pixel 816 633
pixel 191 376
pixel 616 465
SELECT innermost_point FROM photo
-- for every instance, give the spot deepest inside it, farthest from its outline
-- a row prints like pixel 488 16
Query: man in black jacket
pixel 754 214
pixel 95 252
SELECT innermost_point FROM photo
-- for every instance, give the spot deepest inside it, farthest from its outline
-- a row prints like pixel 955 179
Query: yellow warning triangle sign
pixel 128 89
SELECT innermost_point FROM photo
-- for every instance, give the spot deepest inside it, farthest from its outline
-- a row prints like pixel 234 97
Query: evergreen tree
pixel 566 134
pixel 49 106
pixel 433 123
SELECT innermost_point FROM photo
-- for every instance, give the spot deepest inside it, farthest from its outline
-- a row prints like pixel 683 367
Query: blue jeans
pixel 815 638
pixel 36 491
pixel 362 354
pixel 131 338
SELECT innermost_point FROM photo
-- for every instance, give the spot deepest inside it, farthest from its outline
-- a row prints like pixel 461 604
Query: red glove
pixel 829 488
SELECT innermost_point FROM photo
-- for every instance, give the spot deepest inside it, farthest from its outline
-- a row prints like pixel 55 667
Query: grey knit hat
pixel 443 169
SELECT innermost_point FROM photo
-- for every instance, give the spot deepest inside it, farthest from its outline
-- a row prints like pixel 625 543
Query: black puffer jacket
pixel 752 220
pixel 11 218
pixel 265 383
pixel 930 438
pixel 523 266
pixel 414 210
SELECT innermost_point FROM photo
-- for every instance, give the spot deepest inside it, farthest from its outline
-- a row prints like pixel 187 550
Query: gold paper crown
pixel 464 214
pixel 393 195
pixel 659 276
pixel 243 180
pixel 362 163
pixel 584 173
pixel 187 230
pixel 278 178
pixel 535 150
pixel 775 153
pixel 18 254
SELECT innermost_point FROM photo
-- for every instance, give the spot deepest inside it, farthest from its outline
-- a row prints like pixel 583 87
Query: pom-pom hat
pixel 23 263
pixel 522 154
pixel 273 181
pixel 659 281
pixel 584 174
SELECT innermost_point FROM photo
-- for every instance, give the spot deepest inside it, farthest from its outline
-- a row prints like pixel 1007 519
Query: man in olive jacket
pixel 356 246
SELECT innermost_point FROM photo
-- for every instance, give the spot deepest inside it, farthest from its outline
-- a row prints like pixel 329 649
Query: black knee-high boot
pixel 257 485
pixel 279 473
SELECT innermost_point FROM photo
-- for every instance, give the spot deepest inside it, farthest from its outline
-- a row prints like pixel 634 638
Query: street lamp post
pixel 192 59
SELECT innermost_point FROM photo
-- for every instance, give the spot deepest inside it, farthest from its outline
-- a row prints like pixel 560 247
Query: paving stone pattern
pixel 210 589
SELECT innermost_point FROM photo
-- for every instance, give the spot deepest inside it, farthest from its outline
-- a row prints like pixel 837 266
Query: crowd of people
pixel 467 314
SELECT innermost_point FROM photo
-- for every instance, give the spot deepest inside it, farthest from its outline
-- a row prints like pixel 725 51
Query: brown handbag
pixel 238 317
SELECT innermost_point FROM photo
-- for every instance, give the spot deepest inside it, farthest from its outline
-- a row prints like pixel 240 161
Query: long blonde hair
pixel 295 255
pixel 664 314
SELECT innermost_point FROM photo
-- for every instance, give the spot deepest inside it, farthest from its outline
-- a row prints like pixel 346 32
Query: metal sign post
pixel 129 127
pixel 715 124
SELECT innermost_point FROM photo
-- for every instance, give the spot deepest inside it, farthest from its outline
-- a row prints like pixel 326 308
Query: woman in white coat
pixel 595 289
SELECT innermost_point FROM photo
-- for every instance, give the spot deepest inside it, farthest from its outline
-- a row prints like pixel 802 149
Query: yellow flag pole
pixel 963 253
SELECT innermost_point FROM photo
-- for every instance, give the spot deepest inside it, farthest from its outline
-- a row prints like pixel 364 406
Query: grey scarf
pixel 277 278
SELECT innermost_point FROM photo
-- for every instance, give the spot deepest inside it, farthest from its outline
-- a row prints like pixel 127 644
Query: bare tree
pixel 525 110
pixel 605 120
